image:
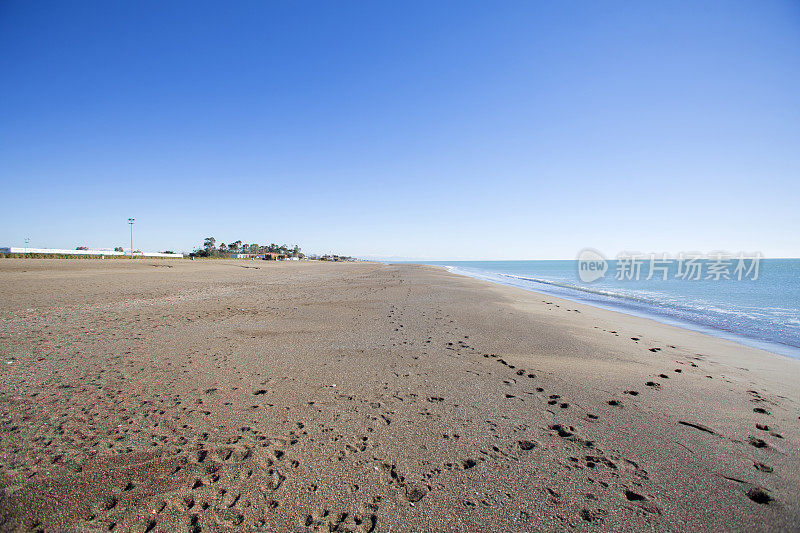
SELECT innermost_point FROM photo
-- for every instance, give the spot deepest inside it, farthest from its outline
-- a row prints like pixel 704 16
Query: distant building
pixel 59 251
pixel 270 256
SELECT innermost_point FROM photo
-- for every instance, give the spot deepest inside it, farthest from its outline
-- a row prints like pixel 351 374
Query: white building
pixel 58 251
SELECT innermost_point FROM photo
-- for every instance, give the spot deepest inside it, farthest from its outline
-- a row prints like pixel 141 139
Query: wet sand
pixel 169 395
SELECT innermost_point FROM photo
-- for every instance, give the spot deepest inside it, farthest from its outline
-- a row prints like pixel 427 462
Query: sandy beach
pixel 225 395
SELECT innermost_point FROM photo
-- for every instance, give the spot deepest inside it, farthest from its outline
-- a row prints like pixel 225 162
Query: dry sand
pixel 250 396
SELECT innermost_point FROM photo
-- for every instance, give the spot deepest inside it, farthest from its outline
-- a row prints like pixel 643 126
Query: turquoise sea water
pixel 762 312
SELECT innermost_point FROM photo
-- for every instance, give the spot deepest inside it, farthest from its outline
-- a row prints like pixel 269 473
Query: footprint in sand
pixel 763 468
pixel 633 496
pixel 561 431
pixel 759 495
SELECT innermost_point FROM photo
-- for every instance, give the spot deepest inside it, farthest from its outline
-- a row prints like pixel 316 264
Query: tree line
pixel 211 249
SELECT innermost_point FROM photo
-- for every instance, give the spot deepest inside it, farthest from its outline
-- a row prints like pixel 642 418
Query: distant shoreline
pixel 774 347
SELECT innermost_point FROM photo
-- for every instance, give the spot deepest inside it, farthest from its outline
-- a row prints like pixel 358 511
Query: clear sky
pixel 519 130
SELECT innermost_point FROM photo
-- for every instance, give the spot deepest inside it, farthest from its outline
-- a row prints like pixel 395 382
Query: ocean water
pixel 763 312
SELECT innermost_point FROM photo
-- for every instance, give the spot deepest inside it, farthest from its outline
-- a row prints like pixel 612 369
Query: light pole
pixel 130 221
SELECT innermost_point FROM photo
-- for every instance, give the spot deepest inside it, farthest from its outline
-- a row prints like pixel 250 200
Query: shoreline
pixel 520 297
pixel 227 396
pixel 774 347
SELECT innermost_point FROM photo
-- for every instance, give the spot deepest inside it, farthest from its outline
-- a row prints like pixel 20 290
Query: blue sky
pixel 510 130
